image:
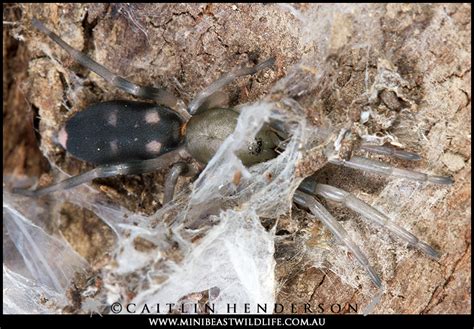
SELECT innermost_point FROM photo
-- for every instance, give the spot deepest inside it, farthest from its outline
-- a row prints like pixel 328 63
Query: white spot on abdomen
pixel 112 118
pixel 62 137
pixel 114 146
pixel 153 147
pixel 152 117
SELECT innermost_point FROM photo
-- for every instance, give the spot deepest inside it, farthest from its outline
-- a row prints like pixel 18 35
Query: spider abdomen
pixel 121 131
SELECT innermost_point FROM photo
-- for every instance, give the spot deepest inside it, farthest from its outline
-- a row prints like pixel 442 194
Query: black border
pixel 331 321
pixel 348 321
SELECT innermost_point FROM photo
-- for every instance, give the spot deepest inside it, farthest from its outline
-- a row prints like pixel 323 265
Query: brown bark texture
pixel 184 47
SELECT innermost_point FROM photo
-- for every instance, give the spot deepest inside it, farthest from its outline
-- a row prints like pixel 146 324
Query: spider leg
pixel 219 99
pixel 157 94
pixel 350 201
pixel 382 168
pixel 227 78
pixel 178 169
pixel 127 168
pixel 391 151
pixel 331 223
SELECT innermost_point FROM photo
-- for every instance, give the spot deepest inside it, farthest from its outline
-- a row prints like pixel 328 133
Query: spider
pixel 124 137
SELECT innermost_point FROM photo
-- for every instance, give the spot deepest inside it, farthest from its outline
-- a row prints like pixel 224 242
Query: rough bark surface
pixel 186 47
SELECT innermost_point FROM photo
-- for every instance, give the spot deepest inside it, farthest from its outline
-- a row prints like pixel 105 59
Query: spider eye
pixel 256 146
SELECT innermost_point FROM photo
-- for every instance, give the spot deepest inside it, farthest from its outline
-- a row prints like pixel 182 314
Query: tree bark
pixel 184 47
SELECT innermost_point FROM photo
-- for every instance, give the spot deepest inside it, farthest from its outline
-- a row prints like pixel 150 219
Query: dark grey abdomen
pixel 122 131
